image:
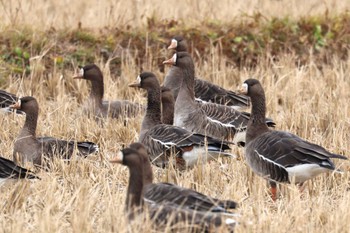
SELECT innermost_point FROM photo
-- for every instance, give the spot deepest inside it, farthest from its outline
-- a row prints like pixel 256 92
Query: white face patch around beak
pixel 19 103
pixel 81 72
pixel 174 42
pixel 138 79
pixel 118 158
pixel 244 89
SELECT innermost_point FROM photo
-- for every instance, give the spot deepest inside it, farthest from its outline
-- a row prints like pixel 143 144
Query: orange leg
pixel 273 190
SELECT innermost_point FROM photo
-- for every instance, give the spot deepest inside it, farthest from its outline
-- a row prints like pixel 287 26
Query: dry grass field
pixel 88 195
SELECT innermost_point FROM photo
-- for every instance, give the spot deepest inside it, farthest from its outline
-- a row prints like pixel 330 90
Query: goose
pixel 29 148
pixel 7 99
pixel 102 108
pixel 168 105
pixel 204 91
pixel 280 156
pixel 9 170
pixel 161 139
pixel 163 214
pixel 170 193
pixel 209 119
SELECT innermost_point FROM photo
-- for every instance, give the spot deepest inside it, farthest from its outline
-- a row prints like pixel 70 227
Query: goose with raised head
pixel 164 214
pixel 101 108
pixel 210 119
pixel 174 194
pixel 280 156
pixel 29 148
pixel 9 170
pixel 204 91
pixel 162 140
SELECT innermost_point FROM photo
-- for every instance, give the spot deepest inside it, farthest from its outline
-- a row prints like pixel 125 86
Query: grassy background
pixel 310 100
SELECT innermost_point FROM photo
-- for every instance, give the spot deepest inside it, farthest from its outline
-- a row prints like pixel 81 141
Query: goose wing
pixel 187 198
pixel 210 92
pixel 8 169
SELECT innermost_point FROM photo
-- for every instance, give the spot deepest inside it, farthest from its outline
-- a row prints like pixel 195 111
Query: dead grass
pixel 92 14
pixel 88 195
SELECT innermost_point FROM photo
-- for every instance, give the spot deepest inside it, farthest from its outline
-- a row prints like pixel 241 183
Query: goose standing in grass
pixel 29 148
pixel 102 108
pixel 170 193
pixel 9 170
pixel 209 119
pixel 204 90
pixel 168 106
pixel 277 155
pixel 161 139
pixel 164 214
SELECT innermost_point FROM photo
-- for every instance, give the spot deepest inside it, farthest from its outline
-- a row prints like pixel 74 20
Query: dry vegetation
pixel 88 195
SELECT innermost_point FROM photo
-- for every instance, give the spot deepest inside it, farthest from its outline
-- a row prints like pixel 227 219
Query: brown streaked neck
pixel 153 110
pixel 186 92
pixel 168 107
pixel 31 122
pixel 257 121
pixel 147 172
pixel 134 198
pixel 97 91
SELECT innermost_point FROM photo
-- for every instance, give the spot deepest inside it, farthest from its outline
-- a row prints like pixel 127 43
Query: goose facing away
pixel 170 193
pixel 163 214
pixel 204 91
pixel 9 170
pixel 96 104
pixel 210 119
pixel 29 148
pixel 161 139
pixel 278 155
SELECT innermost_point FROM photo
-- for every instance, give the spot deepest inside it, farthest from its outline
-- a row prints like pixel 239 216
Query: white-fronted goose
pixel 204 91
pixel 277 155
pixel 96 104
pixel 29 148
pixel 164 214
pixel 9 170
pixel 161 139
pixel 170 193
pixel 168 106
pixel 210 119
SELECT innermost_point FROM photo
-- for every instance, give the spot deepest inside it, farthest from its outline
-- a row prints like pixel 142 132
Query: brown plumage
pixel 170 193
pixel 161 139
pixel 210 119
pixel 96 105
pixel 204 90
pixel 278 155
pixel 29 148
pixel 168 106
pixel 163 214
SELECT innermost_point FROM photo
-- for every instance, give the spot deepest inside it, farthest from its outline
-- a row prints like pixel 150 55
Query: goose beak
pixel 118 158
pixel 16 105
pixel 80 74
pixel 173 44
pixel 171 61
pixel 137 83
pixel 244 89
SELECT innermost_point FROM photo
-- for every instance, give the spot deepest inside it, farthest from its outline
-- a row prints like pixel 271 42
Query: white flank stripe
pixel 166 144
pixel 269 160
pixel 219 122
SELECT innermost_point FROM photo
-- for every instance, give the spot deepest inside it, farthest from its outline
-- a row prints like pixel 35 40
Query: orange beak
pixel 171 61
